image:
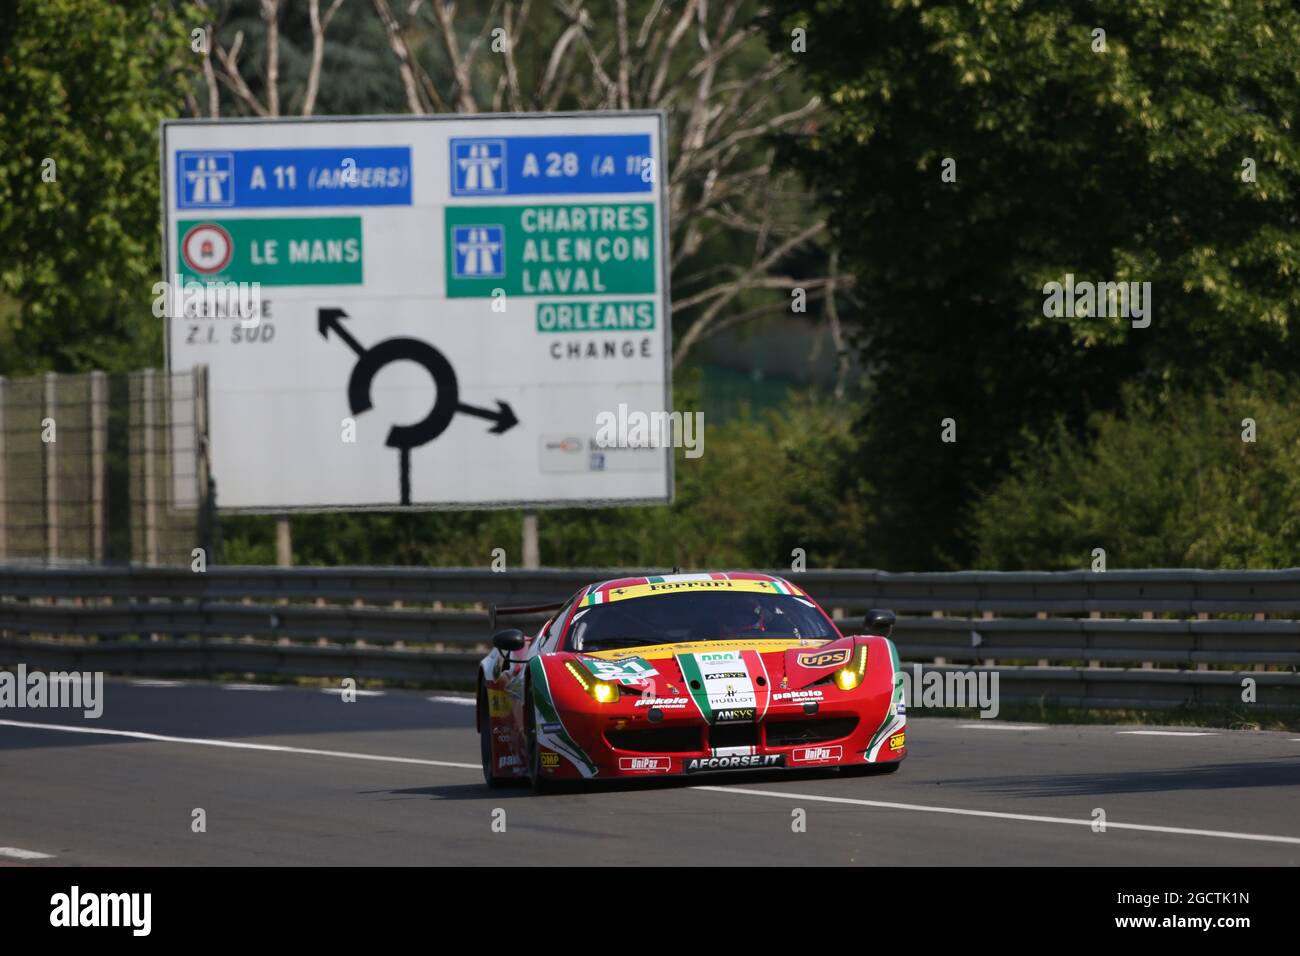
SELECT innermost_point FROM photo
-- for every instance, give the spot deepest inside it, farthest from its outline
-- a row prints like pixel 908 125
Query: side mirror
pixel 511 639
pixel 879 621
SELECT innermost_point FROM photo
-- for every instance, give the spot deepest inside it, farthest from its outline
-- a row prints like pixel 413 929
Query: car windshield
pixel 698 616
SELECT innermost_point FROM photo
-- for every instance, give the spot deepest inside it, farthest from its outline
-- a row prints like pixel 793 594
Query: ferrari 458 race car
pixel 687 674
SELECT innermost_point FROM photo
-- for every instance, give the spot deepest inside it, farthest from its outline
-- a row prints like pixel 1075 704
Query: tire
pixel 485 740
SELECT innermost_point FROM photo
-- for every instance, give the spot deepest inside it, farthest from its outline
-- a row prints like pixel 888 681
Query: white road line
pixel 157 683
pixel 465 701
pixel 359 693
pixel 771 794
pixel 1029 818
pixel 1168 733
pixel 234 744
pixel 15 853
pixel 251 687
pixel 994 725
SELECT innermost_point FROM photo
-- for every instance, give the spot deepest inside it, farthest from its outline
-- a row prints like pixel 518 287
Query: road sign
pixel 447 306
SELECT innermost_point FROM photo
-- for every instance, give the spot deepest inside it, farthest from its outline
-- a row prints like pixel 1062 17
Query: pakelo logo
pixel 824 658
pixel 798 695
pixel 897 741
pixel 509 760
pixel 816 754
pixel 663 703
pixel 76 909
pixel 644 764
pixel 738 762
pixel 734 714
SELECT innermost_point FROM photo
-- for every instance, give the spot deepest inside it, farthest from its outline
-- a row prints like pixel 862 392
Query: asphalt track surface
pixel 298 776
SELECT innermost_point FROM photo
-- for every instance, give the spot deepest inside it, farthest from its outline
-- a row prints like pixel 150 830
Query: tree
pixel 1186 479
pixel 973 153
pixel 83 85
pixel 739 226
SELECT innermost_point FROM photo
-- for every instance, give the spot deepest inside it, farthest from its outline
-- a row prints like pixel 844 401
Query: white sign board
pixel 446 306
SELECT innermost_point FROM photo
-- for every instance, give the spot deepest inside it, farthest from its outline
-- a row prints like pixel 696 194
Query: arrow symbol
pixel 504 416
pixel 446 391
pixel 332 319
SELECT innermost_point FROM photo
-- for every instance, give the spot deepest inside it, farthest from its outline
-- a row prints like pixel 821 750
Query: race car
pixel 687 674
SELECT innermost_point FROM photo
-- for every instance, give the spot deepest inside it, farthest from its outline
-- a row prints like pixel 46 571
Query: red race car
pixel 687 674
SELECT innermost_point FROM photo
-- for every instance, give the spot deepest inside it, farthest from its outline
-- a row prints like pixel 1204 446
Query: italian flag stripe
pixel 695 684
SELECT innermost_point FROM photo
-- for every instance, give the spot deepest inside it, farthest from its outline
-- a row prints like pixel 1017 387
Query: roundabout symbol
pixel 446 401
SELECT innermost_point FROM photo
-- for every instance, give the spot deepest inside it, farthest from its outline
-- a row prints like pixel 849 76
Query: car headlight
pixel 603 692
pixel 850 675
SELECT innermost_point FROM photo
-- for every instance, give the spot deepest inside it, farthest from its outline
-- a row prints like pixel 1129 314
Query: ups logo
pixel 824 658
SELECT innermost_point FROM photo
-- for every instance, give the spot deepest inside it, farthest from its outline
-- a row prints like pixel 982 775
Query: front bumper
pixel 786 737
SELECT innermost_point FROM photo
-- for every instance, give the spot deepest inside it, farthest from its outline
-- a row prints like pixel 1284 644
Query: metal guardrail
pixel 324 622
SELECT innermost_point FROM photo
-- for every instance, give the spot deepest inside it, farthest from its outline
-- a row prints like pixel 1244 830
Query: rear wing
pixel 518 610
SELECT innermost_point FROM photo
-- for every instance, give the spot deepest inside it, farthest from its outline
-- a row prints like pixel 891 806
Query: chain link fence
pixel 101 468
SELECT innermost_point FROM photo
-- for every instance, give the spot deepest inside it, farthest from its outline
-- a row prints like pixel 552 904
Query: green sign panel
pixel 624 315
pixel 325 251
pixel 551 250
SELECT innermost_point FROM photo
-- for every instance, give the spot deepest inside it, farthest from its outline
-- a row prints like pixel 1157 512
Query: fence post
pixel 147 396
pixel 98 447
pixel 4 489
pixel 50 457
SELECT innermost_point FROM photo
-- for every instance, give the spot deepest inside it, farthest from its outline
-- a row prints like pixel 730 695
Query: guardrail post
pixel 98 446
pixel 51 468
pixel 4 489
pixel 148 398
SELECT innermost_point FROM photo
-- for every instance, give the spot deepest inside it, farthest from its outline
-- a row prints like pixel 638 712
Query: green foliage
pixel 1116 165
pixel 83 83
pixel 1170 482
pixel 763 487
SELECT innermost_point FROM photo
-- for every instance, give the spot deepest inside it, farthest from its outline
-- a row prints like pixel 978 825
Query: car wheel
pixel 485 740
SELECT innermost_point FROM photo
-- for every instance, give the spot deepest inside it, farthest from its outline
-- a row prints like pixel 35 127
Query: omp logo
pixel 644 764
pixel 897 741
pixel 734 714
pixel 816 754
pixel 824 658
pixel 550 761
pixel 75 909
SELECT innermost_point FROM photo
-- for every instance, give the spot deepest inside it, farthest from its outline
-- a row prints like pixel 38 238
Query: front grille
pixel 787 733
pixel 656 740
pixel 733 735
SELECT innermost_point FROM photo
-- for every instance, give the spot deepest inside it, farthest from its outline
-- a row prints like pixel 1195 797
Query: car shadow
pixel 481 791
